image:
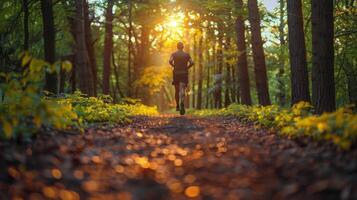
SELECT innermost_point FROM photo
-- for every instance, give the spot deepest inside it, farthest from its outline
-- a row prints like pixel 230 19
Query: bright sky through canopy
pixel 270 4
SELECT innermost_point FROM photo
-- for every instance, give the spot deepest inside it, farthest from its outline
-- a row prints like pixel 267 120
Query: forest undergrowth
pixel 25 110
pixel 339 127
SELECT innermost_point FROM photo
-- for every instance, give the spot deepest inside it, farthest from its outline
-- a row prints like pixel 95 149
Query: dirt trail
pixel 172 157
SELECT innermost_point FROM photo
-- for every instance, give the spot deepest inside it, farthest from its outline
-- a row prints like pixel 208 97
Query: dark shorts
pixel 180 78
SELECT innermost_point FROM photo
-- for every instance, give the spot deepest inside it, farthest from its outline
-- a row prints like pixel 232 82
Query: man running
pixel 181 62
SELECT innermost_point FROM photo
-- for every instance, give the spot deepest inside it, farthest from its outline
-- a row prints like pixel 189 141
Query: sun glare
pixel 172 28
pixel 173 23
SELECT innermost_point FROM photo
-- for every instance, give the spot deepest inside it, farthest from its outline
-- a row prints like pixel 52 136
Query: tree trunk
pixel 323 86
pixel 83 70
pixel 228 88
pixel 219 75
pixel 117 75
pixel 49 40
pixel 281 96
pixel 234 85
pixel 108 47
pixel 352 89
pixel 194 72
pixel 351 76
pixel 200 73
pixel 144 60
pixel 258 54
pixel 298 64
pixel 242 63
pixel 208 75
pixel 214 71
pixel 187 49
pixel 90 47
pixel 25 8
pixel 129 92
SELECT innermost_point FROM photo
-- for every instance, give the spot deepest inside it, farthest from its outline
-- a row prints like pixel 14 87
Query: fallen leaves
pixel 192 191
pixel 175 158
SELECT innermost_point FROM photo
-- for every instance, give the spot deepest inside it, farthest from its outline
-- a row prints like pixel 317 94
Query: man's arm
pixel 190 62
pixel 171 61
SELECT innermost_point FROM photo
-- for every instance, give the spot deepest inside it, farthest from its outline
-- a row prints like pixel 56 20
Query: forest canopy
pixel 243 52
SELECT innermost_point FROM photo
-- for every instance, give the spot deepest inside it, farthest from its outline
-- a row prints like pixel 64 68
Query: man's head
pixel 180 46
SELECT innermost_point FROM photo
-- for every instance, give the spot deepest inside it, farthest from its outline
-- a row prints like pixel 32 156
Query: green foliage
pixel 154 78
pixel 101 109
pixel 340 127
pixel 23 109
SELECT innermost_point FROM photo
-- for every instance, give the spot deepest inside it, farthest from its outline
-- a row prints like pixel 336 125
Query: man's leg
pixel 177 95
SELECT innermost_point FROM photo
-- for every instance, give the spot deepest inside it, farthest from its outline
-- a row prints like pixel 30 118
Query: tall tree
pixel 108 46
pixel 228 88
pixel 258 54
pixel 219 70
pixel 130 32
pixel 49 40
pixel 195 55
pixel 242 63
pixel 200 71
pixel 83 70
pixel 25 8
pixel 90 46
pixel 297 49
pixel 208 70
pixel 323 84
pixel 281 95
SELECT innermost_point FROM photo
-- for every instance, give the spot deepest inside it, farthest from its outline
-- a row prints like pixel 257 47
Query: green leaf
pixel 66 66
pixel 25 59
pixel 7 129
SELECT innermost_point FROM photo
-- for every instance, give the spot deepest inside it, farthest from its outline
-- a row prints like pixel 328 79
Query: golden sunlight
pixel 173 23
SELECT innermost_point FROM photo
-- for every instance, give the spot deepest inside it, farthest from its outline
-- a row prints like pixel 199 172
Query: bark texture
pixel 242 63
pixel 83 70
pixel 49 40
pixel 258 54
pixel 297 49
pixel 90 47
pixel 108 47
pixel 323 84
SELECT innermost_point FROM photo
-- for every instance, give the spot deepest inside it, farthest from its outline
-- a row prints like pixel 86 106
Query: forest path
pixel 174 157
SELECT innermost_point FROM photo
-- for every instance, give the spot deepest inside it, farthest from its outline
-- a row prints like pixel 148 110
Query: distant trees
pixel 281 94
pixel 25 9
pixel 297 49
pixel 261 78
pixel 219 70
pixel 345 52
pixel 129 48
pixel 108 46
pixel 200 72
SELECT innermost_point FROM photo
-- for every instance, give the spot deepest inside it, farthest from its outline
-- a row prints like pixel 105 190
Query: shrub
pixel 102 108
pixel 23 109
pixel 340 127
